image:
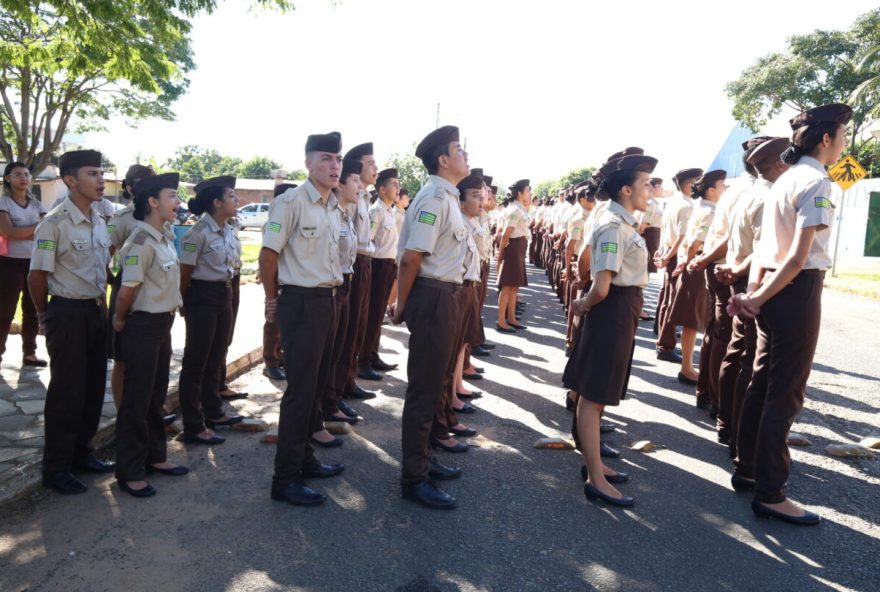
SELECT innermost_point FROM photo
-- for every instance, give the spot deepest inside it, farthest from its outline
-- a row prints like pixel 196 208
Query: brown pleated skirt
pixel 600 365
pixel 473 330
pixel 691 306
pixel 513 265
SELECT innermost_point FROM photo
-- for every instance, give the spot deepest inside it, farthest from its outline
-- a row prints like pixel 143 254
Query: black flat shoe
pixel 233 395
pixel 569 403
pixel 702 403
pixel 169 419
pixel 501 329
pixel 274 374
pixel 741 484
pixel 480 352
pixel 229 421
pixel 606 428
pixel 470 395
pixel 64 482
pixel 297 494
pixel 467 408
pixel 148 491
pixel 358 393
pixel 367 373
pixel 212 441
pixel 459 448
pixel 322 471
pixel 647 318
pixel 519 327
pixel 176 471
pixel 428 494
pixel 487 345
pixel 345 419
pixel 808 519
pixel 476 376
pixel 686 379
pixel 93 465
pixel 606 451
pixel 594 494
pixel 381 366
pixel 463 432
pixel 616 478
pixel 440 472
pixel 36 363
pixel 668 355
pixel 347 409
pixel 334 443
pixel 479 370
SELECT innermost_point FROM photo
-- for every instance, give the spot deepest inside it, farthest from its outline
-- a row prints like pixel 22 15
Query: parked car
pixel 253 215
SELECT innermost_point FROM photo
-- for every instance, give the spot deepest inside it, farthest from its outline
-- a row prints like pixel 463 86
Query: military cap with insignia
pixel 359 151
pixel 438 137
pixel 518 186
pixel 769 150
pixel 385 175
pixel 151 186
pixel 686 175
pixel 227 181
pixel 633 162
pixel 472 181
pixel 351 167
pixel 835 112
pixel 708 179
pixel 79 158
pixel 331 142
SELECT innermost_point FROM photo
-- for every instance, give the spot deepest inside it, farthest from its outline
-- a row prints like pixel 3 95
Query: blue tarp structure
pixel 729 157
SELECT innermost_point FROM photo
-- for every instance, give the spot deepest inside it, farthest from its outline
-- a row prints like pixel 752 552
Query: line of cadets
pixel 314 246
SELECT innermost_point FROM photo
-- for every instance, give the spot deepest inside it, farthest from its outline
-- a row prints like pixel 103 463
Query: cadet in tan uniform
pixel 650 221
pixel 383 233
pixel 586 200
pixel 599 367
pixel 301 274
pixel 432 249
pixel 210 254
pixel 785 293
pixel 70 264
pixel 148 300
pixel 511 256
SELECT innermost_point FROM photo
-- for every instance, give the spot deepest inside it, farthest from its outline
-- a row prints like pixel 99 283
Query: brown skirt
pixel 600 365
pixel 690 307
pixel 652 241
pixel 513 265
pixel 473 329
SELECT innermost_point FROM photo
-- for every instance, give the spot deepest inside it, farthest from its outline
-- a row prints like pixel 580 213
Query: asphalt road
pixel 522 524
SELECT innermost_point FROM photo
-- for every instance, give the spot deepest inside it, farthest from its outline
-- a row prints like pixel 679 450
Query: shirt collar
pixel 158 235
pixel 812 162
pixel 76 214
pixel 444 184
pixel 212 224
pixel 622 212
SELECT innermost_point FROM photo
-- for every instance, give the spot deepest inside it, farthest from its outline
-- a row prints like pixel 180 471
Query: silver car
pixel 253 215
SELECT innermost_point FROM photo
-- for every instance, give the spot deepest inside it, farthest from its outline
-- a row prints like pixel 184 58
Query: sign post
pixel 846 173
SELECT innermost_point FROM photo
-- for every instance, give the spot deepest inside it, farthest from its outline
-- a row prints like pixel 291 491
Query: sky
pixel 537 88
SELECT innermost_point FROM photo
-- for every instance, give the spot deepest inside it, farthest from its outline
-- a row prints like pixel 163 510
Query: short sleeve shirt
pixel 347 242
pixel 472 260
pixel 21 217
pixel 700 221
pixel 434 227
pixel 517 217
pixel 653 214
pixel 617 246
pixel 149 260
pixel 479 233
pixel 362 225
pixel 576 225
pixel 74 250
pixel 745 222
pixel 383 228
pixel 675 219
pixel 304 231
pixel 800 198
pixel 213 251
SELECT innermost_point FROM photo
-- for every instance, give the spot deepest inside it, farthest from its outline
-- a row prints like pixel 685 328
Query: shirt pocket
pixel 311 236
pixel 215 254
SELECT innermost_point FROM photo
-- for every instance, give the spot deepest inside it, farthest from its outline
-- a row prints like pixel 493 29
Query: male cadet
pixel 299 266
pixel 433 243
pixel 383 231
pixel 359 296
pixel 70 264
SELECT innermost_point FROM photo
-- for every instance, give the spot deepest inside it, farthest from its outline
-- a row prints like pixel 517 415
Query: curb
pixel 29 478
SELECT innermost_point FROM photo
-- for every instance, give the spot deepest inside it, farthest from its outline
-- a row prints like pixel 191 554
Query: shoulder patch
pixel 427 218
pixel 823 202
pixel 131 260
pixel 44 244
pixel 273 227
pixel 608 247
pixel 189 247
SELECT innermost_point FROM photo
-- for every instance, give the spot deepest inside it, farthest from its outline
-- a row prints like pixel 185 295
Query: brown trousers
pixel 704 382
pixel 13 283
pixel 788 331
pixel 358 308
pixel 433 317
pixel 236 299
pixel 336 380
pixel 666 339
pixel 721 333
pixel 307 317
pixel 736 372
pixel 382 278
pixel 272 355
pixel 652 242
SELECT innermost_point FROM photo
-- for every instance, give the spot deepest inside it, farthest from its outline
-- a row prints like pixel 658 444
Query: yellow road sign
pixel 847 172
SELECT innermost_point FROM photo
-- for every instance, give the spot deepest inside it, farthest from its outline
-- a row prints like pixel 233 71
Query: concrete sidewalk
pixel 23 394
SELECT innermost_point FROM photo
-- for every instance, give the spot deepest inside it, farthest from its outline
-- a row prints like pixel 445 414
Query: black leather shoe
pixel 668 355
pixel 463 432
pixel 440 472
pixel 724 436
pixel 428 494
pixel 713 412
pixel 479 370
pixel 476 376
pixel 606 428
pixel 169 419
pixel 741 483
pixel 480 352
pixel 569 403
pixel 213 440
pixel 381 366
pixel 647 318
pixel 345 418
pixel 274 374
pixel 35 362
pixel 686 379
pixel 321 471
pixel 175 471
pixel 358 393
pixel 64 482
pixel 148 491
pixel 487 345
pixel 470 395
pixel 605 451
pixel 501 329
pixel 808 519
pixel 702 403
pixel 347 409
pixel 616 478
pixel 457 449
pixel 334 443
pixel 93 465
pixel 297 494
pixel 467 408
pixel 368 373
pixel 594 494
pixel 229 421
pixel 519 327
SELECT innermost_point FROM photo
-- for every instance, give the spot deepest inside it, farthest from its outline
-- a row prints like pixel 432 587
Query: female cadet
pixel 784 292
pixel 599 367
pixel 333 408
pixel 19 215
pixel 210 254
pixel 512 256
pixel 145 307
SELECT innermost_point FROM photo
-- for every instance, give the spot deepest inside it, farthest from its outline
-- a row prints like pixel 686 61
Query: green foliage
pixel 258 167
pixel 572 177
pixel 817 68
pixel 868 156
pixel 411 172
pixel 196 164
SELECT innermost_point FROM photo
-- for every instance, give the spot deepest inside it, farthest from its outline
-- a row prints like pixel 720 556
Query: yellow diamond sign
pixel 847 172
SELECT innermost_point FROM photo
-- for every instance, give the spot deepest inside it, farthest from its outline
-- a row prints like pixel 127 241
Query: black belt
pixel 363 256
pixel 152 314
pixel 227 283
pixel 438 284
pixel 77 302
pixel 308 291
pixel 347 276
pixel 470 283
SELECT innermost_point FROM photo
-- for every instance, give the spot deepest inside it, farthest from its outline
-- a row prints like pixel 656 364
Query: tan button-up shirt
pixel 362 224
pixel 304 231
pixel 576 224
pixel 383 231
pixel 123 223
pixel 617 246
pixel 800 198
pixel 702 215
pixel 150 261
pixel 653 214
pixel 745 224
pixel 471 260
pixel 347 242
pixel 434 227
pixel 74 250
pixel 517 217
pixel 213 251
pixel 675 219
pixel 480 233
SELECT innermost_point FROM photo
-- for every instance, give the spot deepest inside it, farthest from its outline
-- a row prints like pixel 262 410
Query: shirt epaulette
pixel 139 236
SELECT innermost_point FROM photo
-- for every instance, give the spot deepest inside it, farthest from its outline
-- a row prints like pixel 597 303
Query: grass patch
pixel 860 283
pixel 250 253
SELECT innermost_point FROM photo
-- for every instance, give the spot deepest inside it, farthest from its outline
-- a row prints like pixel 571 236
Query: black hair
pixel 570 197
pixel 9 168
pixel 431 159
pixel 142 206
pixel 749 167
pixel 805 140
pixel 131 181
pixel 282 187
pixel 616 181
pixel 204 201
pixel 404 191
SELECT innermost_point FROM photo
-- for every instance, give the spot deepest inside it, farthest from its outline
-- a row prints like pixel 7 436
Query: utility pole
pixel 437 122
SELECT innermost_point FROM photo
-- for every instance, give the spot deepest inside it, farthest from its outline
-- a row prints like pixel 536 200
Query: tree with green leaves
pixel 258 167
pixel 817 68
pixel 69 65
pixel 569 179
pixel 196 164
pixel 410 170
